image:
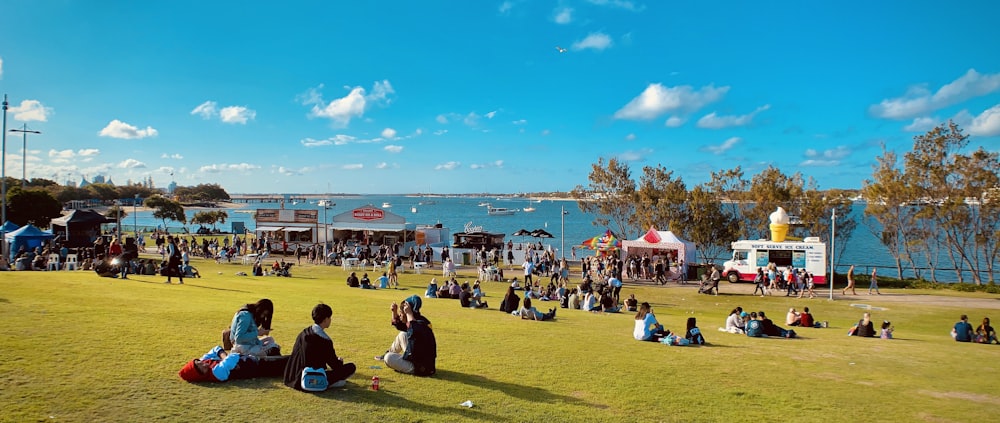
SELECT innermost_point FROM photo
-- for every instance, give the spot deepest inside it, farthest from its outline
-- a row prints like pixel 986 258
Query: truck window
pixel 781 258
pixel 740 255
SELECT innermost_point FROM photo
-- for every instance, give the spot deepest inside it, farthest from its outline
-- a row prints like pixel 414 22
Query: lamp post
pixel 118 221
pixel 833 251
pixel 3 175
pixel 24 148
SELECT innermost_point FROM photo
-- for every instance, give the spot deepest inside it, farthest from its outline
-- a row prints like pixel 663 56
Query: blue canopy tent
pixel 9 227
pixel 28 237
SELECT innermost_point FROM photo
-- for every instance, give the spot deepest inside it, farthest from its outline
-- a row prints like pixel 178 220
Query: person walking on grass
pixel 874 282
pixel 173 261
pixel 850 282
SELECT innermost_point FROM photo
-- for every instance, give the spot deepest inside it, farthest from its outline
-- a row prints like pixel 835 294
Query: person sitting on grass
pixel 985 333
pixel 454 289
pixel 510 300
pixel 383 281
pixel 365 282
pixel 734 322
pixel 646 326
pixel 806 319
pixel 962 332
pixel 887 330
pixel 314 349
pixel 792 318
pixel 468 300
pixel 243 333
pixel 527 312
pixel 219 366
pixel 631 304
pixel 443 291
pixel 693 334
pixel 432 289
pixel 590 303
pixel 864 328
pixel 609 304
pixel 352 280
pixel 420 352
pixel 401 323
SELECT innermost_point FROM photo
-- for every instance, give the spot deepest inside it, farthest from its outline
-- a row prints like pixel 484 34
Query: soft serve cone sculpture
pixel 779 225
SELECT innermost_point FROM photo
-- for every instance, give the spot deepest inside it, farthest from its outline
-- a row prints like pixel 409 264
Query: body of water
pixel 863 249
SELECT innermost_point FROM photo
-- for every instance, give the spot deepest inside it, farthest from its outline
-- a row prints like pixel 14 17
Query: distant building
pixel 99 179
pixel 83 182
pixel 171 187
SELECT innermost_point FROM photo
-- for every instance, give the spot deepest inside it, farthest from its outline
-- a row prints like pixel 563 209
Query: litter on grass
pixel 467 404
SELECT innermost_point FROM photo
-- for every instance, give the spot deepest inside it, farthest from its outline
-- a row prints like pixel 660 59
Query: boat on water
pixel 386 205
pixel 413 209
pixel 500 211
pixel 484 204
pixel 528 209
pixel 325 203
pixel 427 203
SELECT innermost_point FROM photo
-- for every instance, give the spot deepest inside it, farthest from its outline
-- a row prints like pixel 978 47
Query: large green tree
pixel 166 209
pixel 611 196
pixel 34 206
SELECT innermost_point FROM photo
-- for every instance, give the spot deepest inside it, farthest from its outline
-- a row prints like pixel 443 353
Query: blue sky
pixel 471 96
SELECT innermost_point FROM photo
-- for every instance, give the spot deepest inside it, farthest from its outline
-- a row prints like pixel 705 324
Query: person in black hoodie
pixel 420 354
pixel 510 301
pixel 314 348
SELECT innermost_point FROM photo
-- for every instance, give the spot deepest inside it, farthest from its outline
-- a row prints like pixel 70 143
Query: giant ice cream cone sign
pixel 779 225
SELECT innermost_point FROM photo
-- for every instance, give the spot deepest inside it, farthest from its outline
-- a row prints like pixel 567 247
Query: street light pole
pixel 3 175
pixel 118 220
pixel 24 149
pixel 135 219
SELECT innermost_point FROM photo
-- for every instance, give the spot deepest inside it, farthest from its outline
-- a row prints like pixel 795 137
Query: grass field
pixel 84 348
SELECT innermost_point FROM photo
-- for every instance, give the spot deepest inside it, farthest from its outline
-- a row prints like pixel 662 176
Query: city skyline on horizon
pixel 485 97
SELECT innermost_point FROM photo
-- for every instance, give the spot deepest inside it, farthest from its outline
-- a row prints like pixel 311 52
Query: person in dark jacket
pixel 420 353
pixel 865 327
pixel 314 348
pixel 510 301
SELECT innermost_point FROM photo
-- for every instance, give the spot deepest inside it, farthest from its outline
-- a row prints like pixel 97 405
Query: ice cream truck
pixel 748 255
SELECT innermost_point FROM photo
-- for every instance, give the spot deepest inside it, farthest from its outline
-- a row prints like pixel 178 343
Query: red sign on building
pixel 368 213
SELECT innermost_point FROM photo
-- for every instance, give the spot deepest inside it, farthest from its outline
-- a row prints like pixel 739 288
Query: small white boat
pixel 325 203
pixel 386 205
pixel 528 209
pixel 413 209
pixel 484 204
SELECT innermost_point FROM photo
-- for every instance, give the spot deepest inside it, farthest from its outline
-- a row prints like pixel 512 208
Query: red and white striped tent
pixel 659 243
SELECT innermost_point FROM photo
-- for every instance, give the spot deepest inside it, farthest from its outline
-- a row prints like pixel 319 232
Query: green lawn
pixel 84 348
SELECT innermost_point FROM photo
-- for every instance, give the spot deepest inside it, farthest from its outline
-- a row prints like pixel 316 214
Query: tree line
pixel 941 201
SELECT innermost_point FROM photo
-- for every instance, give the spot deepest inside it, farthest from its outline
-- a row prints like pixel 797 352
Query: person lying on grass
pixel 527 312
pixel 219 366
pixel 646 326
pixel 770 329
pixel 693 334
pixel 314 350
pixel 420 351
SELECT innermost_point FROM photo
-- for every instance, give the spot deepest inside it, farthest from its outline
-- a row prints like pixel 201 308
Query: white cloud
pixel 620 4
pixel 635 156
pixel 1 67
pixel 206 110
pixel 165 169
pixel 713 121
pixel 441 132
pixel 505 7
pixel 520 122
pixel 388 133
pixel 448 166
pixel 596 41
pixel 309 142
pixel 656 100
pixel 382 165
pixel 475 166
pixel 61 156
pixel 674 121
pixel 918 100
pixel 491 114
pixel 987 124
pixel 630 137
pixel 122 130
pixel 237 114
pixel 175 156
pixel 353 166
pixel 224 167
pixel 88 152
pixel 339 139
pixel 546 132
pixel 831 157
pixel 471 119
pixel 30 111
pixel 287 171
pixel 351 106
pixel 498 163
pixel 921 124
pixel 442 119
pixel 131 164
pixel 393 148
pixel 563 15
pixel 722 148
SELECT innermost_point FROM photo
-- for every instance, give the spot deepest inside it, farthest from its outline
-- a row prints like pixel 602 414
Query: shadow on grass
pixel 4 300
pixel 185 284
pixel 387 398
pixel 524 392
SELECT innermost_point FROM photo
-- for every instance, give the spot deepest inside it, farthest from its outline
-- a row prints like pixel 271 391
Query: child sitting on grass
pixel 527 312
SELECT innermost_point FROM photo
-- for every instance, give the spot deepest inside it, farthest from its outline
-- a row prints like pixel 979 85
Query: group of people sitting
pixel 366 283
pixel 757 324
pixel 647 328
pixel 865 328
pixel 249 351
pixel 983 334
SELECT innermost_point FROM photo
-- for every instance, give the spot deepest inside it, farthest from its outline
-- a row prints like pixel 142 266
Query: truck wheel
pixel 733 277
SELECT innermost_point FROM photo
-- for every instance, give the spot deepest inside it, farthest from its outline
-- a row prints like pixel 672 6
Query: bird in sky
pixel 561 50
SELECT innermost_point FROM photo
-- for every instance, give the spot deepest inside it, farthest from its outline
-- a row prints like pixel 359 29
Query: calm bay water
pixel 863 249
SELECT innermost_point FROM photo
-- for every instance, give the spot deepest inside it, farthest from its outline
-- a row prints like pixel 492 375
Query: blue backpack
pixel 314 380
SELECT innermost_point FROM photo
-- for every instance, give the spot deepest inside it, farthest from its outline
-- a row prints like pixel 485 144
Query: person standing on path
pixel 874 283
pixel 173 261
pixel 850 282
